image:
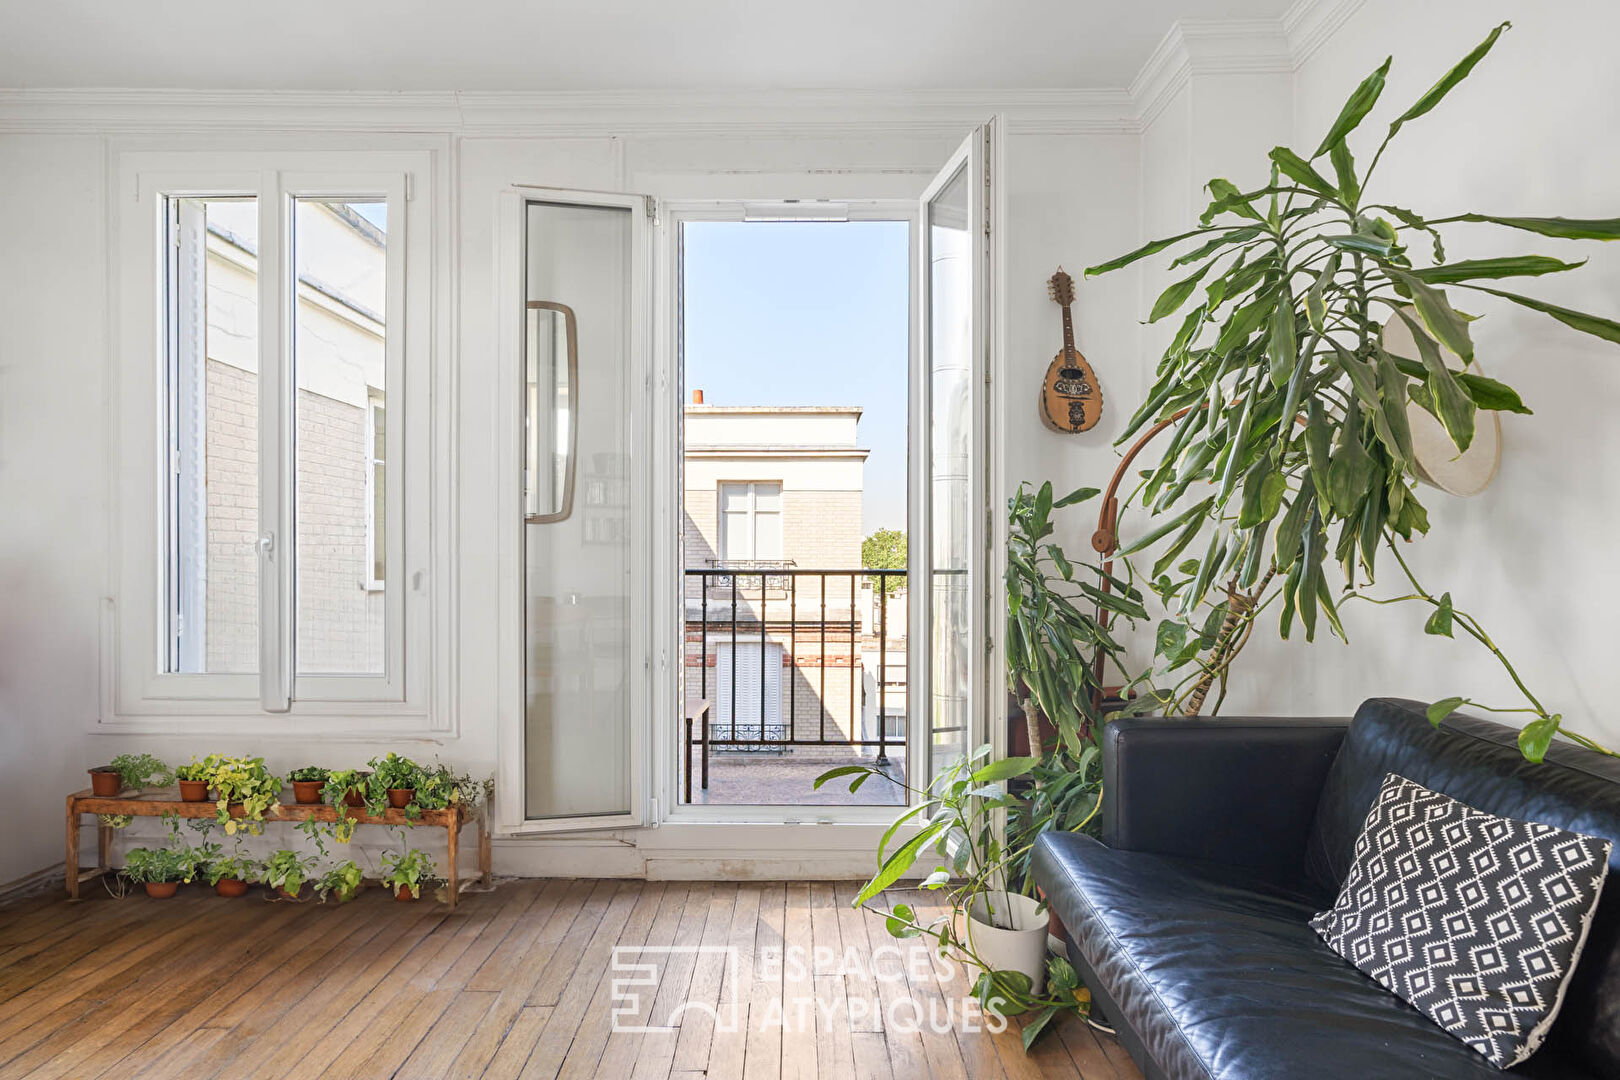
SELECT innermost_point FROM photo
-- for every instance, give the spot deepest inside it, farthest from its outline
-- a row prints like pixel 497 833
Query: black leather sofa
pixel 1221 837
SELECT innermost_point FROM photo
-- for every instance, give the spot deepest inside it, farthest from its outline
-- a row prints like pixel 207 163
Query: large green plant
pixel 1291 441
pixel 1059 651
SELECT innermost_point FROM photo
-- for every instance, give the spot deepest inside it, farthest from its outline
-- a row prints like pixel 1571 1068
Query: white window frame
pixel 752 514
pixel 138 693
pixel 375 399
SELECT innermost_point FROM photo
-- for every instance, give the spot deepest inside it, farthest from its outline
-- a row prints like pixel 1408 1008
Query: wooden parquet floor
pixel 539 978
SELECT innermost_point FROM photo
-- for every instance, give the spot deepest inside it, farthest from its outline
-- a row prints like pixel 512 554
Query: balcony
pixel 790 672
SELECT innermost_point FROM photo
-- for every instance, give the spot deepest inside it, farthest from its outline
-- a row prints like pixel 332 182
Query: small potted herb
pixel 142 771
pixel 160 870
pixel 105 783
pixel 405 873
pixel 286 871
pixel 230 876
pixel 193 779
pixel 342 881
pixel 307 783
pixel 345 787
pixel 395 775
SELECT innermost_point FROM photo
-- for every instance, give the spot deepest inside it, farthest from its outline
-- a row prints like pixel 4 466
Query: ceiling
pixel 591 45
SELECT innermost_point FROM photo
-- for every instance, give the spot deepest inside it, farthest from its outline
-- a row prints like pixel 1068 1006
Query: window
pixel 282 393
pixel 751 522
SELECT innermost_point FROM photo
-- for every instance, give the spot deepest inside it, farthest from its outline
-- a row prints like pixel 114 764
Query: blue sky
pixel 807 313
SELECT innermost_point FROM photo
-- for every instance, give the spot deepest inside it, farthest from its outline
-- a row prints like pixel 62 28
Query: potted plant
pixel 404 873
pixel 286 871
pixel 160 870
pixel 142 771
pixel 1292 466
pixel 342 881
pixel 992 927
pixel 393 783
pixel 193 779
pixel 232 874
pixel 244 782
pixel 307 783
pixel 105 783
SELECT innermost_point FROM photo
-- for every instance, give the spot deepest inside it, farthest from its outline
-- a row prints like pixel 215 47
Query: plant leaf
pixel 1033 1029
pixel 1443 708
pixel 1439 623
pixel 1300 170
pixel 1078 495
pixel 1173 297
pixel 1448 327
pixel 1344 167
pixel 1537 737
pixel 1451 78
pixel 1004 769
pixel 1149 248
pixel 1561 227
pixel 1355 109
pixel 1227 198
pixel 1487 393
pixel 1478 269
pixel 1596 325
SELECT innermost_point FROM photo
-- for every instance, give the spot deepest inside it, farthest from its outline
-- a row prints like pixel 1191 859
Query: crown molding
pixel 1310 23
pixel 1234 47
pixel 1191 47
pixel 796 113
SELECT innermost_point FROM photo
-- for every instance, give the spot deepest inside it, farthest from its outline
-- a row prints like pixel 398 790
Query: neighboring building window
pixel 751 522
pixel 376 492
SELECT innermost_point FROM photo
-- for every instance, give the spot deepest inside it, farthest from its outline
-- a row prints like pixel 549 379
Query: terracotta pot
pixel 162 890
pixel 400 797
pixel 307 791
pixel 354 797
pixel 105 782
pixel 404 893
pixel 193 791
pixel 231 887
pixel 285 895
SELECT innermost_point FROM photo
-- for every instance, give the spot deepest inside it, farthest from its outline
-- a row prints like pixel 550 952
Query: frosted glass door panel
pixel 577 556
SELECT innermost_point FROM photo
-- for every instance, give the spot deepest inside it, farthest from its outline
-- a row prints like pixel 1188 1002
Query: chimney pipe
pixel 697 397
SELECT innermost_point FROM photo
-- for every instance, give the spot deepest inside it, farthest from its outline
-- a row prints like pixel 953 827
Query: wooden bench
pixel 166 801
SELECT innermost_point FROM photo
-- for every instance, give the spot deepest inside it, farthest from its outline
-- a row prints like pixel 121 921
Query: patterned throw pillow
pixel 1475 920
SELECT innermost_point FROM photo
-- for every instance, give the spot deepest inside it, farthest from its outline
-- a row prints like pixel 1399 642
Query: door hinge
pixel 410 186
pixel 652 208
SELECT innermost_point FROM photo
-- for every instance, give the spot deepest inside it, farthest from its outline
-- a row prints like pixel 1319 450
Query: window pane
pixel 339 355
pixel 767 535
pixel 211 317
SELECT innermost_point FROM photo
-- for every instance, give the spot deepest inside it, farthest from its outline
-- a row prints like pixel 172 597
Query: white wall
pixel 1070 198
pixel 1532 131
pixel 53 476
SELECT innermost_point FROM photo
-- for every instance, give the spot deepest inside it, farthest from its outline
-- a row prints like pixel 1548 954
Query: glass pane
pixel 212 317
pixel 768 536
pixel 950 354
pixel 577 646
pixel 340 249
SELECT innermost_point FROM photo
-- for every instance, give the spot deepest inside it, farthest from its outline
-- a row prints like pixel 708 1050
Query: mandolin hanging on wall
pixel 1071 400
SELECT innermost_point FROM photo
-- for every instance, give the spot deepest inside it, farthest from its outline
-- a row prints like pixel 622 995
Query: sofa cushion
pixel 1476 920
pixel 1220 974
pixel 1478 763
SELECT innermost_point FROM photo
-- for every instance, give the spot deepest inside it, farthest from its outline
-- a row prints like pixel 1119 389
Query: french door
pixel 952 515
pixel 575 347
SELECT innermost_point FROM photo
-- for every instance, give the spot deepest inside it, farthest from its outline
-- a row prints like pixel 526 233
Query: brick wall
pixel 340 623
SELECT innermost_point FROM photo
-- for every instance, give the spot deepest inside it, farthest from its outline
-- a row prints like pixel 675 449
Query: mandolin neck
pixel 1068 334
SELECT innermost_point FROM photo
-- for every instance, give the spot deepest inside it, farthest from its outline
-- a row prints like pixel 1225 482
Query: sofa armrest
pixel 1241 791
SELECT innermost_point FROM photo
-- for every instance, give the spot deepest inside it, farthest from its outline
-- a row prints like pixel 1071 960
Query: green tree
pixel 886 550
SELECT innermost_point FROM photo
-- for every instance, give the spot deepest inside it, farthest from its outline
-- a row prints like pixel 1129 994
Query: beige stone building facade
pixel 772 539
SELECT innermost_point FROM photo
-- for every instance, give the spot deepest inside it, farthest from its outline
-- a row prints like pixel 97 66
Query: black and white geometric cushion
pixel 1475 920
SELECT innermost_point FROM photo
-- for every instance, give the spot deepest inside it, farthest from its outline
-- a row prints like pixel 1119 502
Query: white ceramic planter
pixel 1022 948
